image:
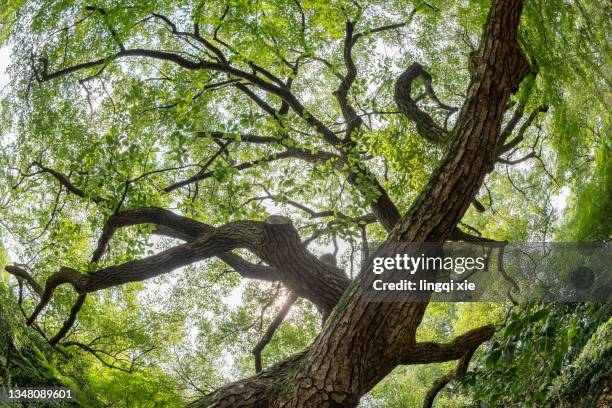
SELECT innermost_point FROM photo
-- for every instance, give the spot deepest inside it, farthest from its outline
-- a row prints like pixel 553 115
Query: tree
pixel 230 94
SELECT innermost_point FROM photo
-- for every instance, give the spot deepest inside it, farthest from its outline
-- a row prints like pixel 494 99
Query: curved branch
pixel 250 270
pixel 275 241
pixel 425 125
pixel 76 308
pixel 170 224
pixel 291 298
pixel 25 275
pixel 353 120
pixel 65 181
pixel 441 382
pixel 478 206
pixel 219 240
pixel 430 352
pixel 521 132
pixel 512 162
pixel 64 275
pixel 244 268
pixel 148 215
pixel 296 153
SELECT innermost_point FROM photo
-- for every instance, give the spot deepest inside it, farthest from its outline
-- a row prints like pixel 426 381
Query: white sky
pixel 560 200
pixel 4 59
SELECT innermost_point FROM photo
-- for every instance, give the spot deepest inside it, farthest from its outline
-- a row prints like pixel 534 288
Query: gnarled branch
pixel 425 125
pixel 430 352
pixel 275 241
pixel 441 382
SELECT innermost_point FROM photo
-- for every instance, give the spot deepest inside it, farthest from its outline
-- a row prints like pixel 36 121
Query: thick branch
pixel 441 382
pixel 181 225
pixel 478 206
pixel 148 215
pixel 500 67
pixel 219 240
pixel 21 273
pixel 76 308
pixel 244 268
pixel 275 241
pixel 430 352
pixel 64 275
pixel 170 224
pixel 425 125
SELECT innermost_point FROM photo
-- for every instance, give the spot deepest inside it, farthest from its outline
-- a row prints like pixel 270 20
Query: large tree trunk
pixel 363 341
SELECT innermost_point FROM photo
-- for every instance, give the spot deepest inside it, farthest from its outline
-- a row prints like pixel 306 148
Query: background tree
pixel 251 137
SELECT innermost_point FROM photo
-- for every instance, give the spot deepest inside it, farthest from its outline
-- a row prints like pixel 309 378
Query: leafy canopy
pixel 127 128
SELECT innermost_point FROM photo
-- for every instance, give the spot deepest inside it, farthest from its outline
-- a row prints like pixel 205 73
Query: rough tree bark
pixel 362 340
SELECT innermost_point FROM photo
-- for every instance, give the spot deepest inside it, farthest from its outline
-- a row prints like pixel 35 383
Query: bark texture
pixel 363 341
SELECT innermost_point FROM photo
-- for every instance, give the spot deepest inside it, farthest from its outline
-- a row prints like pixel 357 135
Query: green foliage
pixel 582 382
pixel 537 349
pixel 25 358
pixel 407 386
pixel 590 212
pixel 126 129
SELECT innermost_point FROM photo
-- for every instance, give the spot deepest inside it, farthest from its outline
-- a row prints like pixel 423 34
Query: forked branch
pixel 441 382
pixel 275 241
pixel 430 352
pixel 64 180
